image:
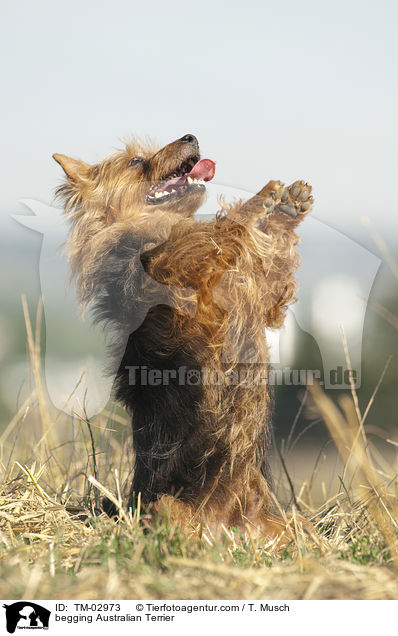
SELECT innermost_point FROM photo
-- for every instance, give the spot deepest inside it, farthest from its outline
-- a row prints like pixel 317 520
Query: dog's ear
pixel 75 169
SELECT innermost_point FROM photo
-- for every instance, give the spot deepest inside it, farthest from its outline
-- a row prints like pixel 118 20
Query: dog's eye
pixel 135 161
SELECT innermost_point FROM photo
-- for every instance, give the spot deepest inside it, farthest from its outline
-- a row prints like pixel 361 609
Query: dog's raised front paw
pixel 296 200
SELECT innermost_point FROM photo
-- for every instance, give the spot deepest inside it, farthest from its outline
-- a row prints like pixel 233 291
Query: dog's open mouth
pixel 191 174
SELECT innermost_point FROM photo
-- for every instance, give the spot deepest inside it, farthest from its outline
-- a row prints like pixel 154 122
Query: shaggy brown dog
pixel 188 302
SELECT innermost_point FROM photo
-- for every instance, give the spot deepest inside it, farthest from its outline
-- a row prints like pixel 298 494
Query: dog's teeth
pixel 158 195
pixel 190 180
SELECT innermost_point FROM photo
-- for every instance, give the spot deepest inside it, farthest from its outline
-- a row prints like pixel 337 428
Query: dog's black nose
pixel 189 139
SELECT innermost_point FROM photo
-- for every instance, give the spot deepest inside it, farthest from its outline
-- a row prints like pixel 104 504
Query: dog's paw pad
pixel 305 207
pixel 290 210
pixel 271 195
pixel 293 191
pixel 296 199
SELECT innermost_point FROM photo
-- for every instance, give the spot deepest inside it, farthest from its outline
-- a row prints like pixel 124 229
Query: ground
pixel 54 543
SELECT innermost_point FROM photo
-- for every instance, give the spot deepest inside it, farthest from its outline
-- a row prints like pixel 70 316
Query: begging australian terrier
pixel 188 302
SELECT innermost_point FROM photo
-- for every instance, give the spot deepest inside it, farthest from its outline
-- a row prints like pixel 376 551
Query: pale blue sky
pixel 272 90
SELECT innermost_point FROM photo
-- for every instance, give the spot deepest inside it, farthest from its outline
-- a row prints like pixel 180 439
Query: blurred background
pixel 281 90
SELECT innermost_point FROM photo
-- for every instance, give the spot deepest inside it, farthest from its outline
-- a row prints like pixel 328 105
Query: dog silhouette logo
pixel 26 615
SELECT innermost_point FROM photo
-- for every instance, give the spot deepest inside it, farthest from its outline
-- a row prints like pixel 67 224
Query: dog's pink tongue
pixel 204 170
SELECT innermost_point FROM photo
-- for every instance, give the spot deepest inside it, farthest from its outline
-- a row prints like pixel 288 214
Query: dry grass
pixel 54 544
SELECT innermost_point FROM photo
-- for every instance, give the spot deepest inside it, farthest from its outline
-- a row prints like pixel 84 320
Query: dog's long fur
pixel 181 294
